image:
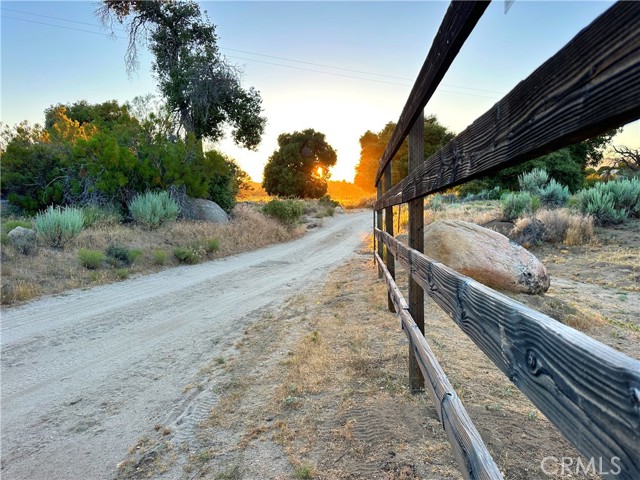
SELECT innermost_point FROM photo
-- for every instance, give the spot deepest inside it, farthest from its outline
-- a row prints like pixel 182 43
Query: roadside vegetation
pixel 81 248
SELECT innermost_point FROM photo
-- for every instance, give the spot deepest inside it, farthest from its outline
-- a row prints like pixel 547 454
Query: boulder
pixel 486 256
pixel 23 239
pixel 206 210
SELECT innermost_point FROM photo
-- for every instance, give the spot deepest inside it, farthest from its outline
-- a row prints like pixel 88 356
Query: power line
pixel 111 35
pixel 270 56
pixel 62 26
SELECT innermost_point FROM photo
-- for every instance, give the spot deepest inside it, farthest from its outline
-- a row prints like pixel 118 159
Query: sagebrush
pixel 153 209
pixel 58 226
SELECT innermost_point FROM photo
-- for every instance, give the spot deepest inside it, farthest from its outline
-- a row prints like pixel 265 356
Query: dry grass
pixel 480 212
pixel 52 271
pixel 349 196
pixel 562 226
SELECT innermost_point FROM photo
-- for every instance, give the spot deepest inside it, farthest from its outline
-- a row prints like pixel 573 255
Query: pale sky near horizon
pixel 341 68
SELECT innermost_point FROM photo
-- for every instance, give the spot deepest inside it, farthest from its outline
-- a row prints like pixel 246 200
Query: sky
pixel 341 68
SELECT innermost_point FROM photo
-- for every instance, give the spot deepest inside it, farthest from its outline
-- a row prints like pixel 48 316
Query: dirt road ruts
pixel 85 373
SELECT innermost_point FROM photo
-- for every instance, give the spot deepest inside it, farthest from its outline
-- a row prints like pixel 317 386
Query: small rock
pixel 23 239
pixel 339 210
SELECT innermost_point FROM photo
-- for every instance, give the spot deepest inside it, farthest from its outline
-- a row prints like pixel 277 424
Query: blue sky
pixel 56 52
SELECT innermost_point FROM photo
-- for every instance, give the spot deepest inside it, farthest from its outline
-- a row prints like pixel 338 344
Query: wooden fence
pixel 590 391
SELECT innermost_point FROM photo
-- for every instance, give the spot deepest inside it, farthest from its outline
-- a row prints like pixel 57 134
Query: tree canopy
pixel 300 166
pixel 200 88
pixel 372 147
pixel 101 154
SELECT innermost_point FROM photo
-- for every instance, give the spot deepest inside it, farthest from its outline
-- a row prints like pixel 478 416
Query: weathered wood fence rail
pixel 590 391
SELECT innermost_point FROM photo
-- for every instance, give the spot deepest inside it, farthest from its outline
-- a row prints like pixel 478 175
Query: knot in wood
pixel 532 363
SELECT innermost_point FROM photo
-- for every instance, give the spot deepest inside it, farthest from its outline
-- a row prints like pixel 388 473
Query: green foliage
pixel 327 201
pixel 191 254
pixel 533 181
pixel 119 255
pixel 612 202
pixel 537 182
pixel 492 194
pixel 122 273
pixel 153 209
pixel 32 169
pixel 201 90
pixel 160 257
pixel 553 194
pixel 226 179
pixel 98 216
pixel 212 245
pixel 11 224
pixel 108 161
pixel 372 146
pixel 517 204
pixel 91 259
pixel 57 226
pixel 286 211
pixel 300 166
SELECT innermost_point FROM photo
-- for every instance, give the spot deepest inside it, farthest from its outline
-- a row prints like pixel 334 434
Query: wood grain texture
pixel 378 224
pixel 589 87
pixel 416 241
pixel 388 223
pixel 590 391
pixel 458 22
pixel 474 460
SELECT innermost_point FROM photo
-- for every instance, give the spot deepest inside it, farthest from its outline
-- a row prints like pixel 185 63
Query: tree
pixel 300 166
pixel 202 91
pixel 108 160
pixel 628 159
pixel 372 146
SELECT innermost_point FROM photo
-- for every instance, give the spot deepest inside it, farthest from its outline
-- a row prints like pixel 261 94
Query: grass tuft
pixel 91 259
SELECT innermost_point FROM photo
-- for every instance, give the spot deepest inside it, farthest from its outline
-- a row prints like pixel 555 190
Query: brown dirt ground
pixel 318 389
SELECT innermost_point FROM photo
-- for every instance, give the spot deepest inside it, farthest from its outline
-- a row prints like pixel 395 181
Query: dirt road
pixel 85 374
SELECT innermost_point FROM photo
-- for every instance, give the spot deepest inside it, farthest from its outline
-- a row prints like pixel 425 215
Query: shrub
pixel 518 204
pixel 122 255
pixel 533 181
pixel 98 216
pixel 191 254
pixel 492 194
pixel 527 231
pixel 212 245
pixel 326 200
pixel 554 194
pixel 152 209
pixel 600 205
pixel 57 226
pixel 122 273
pixel 91 259
pixel 625 194
pixel 286 211
pixel 160 257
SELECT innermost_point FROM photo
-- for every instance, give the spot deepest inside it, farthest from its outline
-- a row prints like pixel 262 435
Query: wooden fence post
pixel 388 221
pixel 379 226
pixel 416 241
